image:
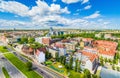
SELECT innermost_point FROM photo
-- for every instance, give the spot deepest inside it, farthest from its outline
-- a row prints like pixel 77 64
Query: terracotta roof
pixel 91 56
pixel 59 45
pixel 87 39
pixel 106 47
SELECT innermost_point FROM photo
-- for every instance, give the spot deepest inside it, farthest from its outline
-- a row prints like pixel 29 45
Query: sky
pixel 74 14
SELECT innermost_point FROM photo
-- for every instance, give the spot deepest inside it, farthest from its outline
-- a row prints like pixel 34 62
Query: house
pixel 90 49
pixel 53 51
pixel 106 49
pixel 87 41
pixel 82 44
pixel 61 47
pixel 46 40
pixel 106 36
pixel 88 60
pixel 98 35
pixel 27 49
pixel 40 56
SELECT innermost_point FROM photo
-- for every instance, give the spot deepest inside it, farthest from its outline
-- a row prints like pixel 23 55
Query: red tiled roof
pixel 91 56
pixel 106 47
pixel 87 39
pixel 59 45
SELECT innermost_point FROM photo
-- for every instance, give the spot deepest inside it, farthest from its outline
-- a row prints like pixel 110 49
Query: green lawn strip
pixel 5 73
pixel 21 66
pixel 3 49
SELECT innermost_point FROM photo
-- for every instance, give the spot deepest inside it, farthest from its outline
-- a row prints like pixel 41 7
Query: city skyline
pixel 78 14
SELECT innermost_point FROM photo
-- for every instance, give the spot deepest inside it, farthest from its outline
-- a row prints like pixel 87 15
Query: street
pixel 12 71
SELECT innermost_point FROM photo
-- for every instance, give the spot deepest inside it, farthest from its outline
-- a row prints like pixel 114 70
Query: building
pixel 88 60
pixel 106 36
pixel 53 52
pixel 89 49
pixel 106 49
pixel 46 40
pixel 53 32
pixel 98 35
pixel 40 56
pixel 87 41
pixel 108 73
pixel 27 49
pixel 61 48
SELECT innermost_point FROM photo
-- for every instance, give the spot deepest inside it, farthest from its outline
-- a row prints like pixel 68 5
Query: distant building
pixel 52 32
pixel 107 36
pixel 98 35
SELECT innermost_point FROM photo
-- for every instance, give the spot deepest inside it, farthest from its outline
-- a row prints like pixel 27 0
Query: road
pixel 43 70
pixel 35 67
pixel 12 71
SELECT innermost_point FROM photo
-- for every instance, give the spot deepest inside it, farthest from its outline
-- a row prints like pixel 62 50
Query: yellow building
pixel 82 44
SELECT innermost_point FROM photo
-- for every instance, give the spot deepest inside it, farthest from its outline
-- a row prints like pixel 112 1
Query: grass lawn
pixel 3 49
pixel 62 70
pixel 5 73
pixel 98 73
pixel 74 74
pixel 21 66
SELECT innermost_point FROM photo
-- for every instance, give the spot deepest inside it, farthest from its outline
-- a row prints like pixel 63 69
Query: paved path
pixel 1 73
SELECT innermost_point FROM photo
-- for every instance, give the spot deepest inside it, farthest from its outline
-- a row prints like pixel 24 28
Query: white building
pixel 40 56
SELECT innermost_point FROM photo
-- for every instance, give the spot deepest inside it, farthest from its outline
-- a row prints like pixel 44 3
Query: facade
pixel 61 48
pixel 106 36
pixel 46 40
pixel 88 60
pixel 53 52
pixel 40 56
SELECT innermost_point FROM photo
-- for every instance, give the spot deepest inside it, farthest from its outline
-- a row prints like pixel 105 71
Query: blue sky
pixel 79 14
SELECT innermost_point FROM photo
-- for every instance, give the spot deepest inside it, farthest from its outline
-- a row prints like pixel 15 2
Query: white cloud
pixel 87 7
pixel 54 0
pixel 94 15
pixel 42 8
pixel 84 1
pixel 43 15
pixel 14 7
pixel 70 1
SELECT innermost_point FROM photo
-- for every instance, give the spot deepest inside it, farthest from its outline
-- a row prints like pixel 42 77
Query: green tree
pixel 31 40
pixel 24 40
pixel 118 68
pixel 48 55
pixel 113 67
pixel 64 60
pixel 95 76
pixel 71 63
pixel 87 73
pixel 76 65
pixel 29 65
pixel 79 68
pixel 57 57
